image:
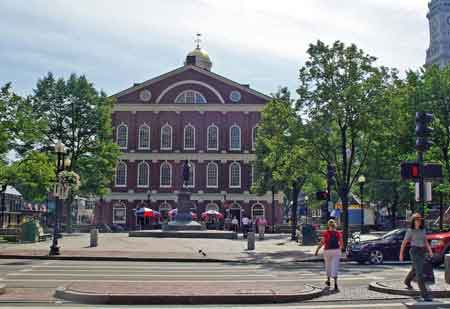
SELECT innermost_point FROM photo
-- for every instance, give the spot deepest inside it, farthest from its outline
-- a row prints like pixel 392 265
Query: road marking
pixel 132 275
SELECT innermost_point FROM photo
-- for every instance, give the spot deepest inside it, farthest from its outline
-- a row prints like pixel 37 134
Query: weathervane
pixel 198 40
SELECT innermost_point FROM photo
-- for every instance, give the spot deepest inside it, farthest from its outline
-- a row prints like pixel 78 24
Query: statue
pixel 186 173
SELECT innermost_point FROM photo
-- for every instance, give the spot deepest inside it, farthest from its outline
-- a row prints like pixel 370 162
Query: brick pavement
pixel 276 248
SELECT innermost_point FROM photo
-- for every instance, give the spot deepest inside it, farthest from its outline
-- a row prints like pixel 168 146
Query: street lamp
pixel 361 182
pixel 59 150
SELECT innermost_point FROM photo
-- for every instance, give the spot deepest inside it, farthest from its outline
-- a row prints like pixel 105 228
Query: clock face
pixel 235 96
pixel 145 95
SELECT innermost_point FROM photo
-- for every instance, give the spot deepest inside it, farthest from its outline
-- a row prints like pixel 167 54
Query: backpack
pixel 333 242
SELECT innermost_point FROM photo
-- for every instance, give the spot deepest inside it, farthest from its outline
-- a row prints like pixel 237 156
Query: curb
pixel 114 259
pixel 383 288
pixel 139 299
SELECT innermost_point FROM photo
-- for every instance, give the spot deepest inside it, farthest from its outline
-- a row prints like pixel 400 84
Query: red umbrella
pixel 209 213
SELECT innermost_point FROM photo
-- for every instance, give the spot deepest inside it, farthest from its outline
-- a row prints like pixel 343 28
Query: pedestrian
pixel 332 243
pixel 417 238
pixel 235 224
pixel 227 223
pixel 245 226
pixel 261 223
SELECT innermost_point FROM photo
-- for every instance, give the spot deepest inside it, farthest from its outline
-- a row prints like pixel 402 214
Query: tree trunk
pixel 273 209
pixel 344 187
pixel 344 199
pixel 295 193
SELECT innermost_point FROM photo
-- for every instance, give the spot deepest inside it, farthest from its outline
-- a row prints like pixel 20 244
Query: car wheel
pixel 376 257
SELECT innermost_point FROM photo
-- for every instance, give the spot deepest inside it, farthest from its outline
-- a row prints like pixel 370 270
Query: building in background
pixel 192 114
pixel 439 20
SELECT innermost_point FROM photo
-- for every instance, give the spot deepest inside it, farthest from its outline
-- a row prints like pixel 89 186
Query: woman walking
pixel 416 237
pixel 332 243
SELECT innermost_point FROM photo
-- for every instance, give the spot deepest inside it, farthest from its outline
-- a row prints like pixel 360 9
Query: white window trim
pixel 263 208
pixel 160 175
pixel 193 176
pixel 184 137
pixel 126 175
pixel 117 135
pixel 138 175
pixel 253 138
pixel 171 137
pixel 139 137
pixel 123 207
pixel 196 82
pixel 217 175
pixel 240 176
pixel 207 137
pixel 184 92
pixel 240 138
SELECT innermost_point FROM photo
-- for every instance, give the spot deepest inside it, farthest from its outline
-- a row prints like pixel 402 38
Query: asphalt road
pixel 31 283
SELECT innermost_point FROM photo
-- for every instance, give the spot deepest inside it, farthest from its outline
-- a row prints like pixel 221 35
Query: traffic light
pixel 331 172
pixel 423 131
pixel 410 170
pixel 322 195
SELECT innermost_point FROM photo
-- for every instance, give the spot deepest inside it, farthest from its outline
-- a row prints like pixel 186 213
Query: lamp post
pixel 59 150
pixel 306 209
pixel 361 182
pixel 149 195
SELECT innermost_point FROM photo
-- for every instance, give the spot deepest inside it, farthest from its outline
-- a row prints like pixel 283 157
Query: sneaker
pixel 408 286
pixel 327 283
pixel 336 287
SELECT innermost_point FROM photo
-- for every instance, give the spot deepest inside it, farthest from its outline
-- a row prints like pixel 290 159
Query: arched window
pixel 235 138
pixel 235 175
pixel 190 97
pixel 122 136
pixel 212 175
pixel 166 137
pixel 165 179
pixel 189 137
pixel 213 137
pixel 144 137
pixel 143 174
pixel 257 211
pixel 191 181
pixel 121 174
pixel 254 130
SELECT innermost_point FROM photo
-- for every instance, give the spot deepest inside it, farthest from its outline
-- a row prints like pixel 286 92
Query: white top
pixel 245 221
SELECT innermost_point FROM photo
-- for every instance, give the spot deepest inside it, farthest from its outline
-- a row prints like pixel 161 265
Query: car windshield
pixel 393 233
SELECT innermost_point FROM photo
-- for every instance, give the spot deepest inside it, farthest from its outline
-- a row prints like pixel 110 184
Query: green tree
pixel 342 94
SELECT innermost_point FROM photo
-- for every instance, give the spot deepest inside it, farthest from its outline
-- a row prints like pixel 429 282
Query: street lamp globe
pixel 59 147
pixel 361 179
pixel 67 163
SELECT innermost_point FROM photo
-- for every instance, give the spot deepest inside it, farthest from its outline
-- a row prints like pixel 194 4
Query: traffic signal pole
pixel 421 183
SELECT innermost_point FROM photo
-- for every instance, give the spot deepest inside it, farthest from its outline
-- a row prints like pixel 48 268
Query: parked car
pixel 387 248
pixel 376 251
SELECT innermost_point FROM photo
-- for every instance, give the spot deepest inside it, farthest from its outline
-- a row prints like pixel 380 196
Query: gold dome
pixel 199 57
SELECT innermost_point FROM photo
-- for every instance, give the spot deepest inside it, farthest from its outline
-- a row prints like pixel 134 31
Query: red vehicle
pixel 440 244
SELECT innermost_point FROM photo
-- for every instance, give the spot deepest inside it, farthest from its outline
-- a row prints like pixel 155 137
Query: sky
pixel 116 43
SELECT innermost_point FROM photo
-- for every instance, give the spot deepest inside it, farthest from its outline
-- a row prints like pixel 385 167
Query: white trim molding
pixel 172 107
pixel 189 125
pixel 167 125
pixel 190 81
pixel 121 163
pixel 139 174
pixel 211 126
pixel 144 126
pixel 216 166
pixel 170 175
pixel 230 185
pixel 182 156
pixel 122 125
pixel 230 139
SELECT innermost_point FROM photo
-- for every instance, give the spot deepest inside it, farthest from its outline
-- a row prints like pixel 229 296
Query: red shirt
pixel 327 235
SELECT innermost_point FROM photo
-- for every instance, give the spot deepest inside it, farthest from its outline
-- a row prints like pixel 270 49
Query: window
pixel 213 137
pixel 165 179
pixel 189 137
pixel 143 174
pixel 166 137
pixel 119 214
pixel 235 138
pixel 257 211
pixel 212 179
pixel 235 175
pixel 121 175
pixel 122 136
pixel 191 181
pixel 144 137
pixel 190 97
pixel 254 137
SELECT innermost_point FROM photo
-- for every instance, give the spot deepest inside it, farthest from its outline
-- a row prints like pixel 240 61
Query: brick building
pixel 192 114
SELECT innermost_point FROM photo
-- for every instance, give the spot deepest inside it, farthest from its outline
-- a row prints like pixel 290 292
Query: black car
pixel 375 251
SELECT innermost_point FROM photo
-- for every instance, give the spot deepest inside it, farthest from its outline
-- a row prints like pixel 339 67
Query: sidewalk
pixel 275 248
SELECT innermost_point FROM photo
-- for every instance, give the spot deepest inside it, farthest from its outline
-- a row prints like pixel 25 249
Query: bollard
pixel 251 241
pixel 94 237
pixel 447 268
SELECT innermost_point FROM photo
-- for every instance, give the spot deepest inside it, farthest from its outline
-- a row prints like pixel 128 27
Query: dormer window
pixel 190 97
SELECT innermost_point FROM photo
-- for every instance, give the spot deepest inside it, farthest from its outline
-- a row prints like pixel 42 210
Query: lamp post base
pixel 54 250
